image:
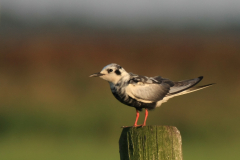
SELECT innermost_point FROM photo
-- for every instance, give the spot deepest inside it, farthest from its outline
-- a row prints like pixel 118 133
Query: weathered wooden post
pixel 150 143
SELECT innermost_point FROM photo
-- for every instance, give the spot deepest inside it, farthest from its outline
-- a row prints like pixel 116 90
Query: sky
pixel 125 11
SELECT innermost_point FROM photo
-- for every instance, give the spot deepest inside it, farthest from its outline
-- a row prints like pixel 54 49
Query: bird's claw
pixel 142 125
pixel 134 126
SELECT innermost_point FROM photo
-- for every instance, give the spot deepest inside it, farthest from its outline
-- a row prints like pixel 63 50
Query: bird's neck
pixel 124 78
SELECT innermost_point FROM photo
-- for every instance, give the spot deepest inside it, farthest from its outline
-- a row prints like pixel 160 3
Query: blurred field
pixel 51 109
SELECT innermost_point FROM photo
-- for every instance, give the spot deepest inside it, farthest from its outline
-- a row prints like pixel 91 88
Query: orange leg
pixel 137 116
pixel 145 119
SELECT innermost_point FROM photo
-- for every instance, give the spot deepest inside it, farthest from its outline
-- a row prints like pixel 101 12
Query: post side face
pixel 123 145
pixel 150 143
pixel 177 142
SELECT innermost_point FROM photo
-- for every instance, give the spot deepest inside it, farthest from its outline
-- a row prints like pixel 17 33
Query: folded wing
pixel 184 85
pixel 148 89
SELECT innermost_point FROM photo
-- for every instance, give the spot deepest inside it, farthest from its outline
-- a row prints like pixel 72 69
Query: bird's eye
pixel 110 70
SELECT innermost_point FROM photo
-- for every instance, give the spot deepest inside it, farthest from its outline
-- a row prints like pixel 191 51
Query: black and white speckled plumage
pixel 119 92
pixel 144 92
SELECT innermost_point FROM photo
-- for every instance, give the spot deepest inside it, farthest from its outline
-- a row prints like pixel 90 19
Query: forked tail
pixel 185 87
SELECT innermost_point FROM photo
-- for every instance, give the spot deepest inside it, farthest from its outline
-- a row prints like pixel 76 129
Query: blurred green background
pixel 51 109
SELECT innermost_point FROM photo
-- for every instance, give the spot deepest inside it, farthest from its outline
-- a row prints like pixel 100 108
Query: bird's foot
pixel 134 126
pixel 143 125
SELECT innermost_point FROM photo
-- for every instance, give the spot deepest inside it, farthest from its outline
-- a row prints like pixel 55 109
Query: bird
pixel 142 92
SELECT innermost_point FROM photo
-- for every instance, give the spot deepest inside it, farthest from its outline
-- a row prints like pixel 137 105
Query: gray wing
pixel 148 89
pixel 183 85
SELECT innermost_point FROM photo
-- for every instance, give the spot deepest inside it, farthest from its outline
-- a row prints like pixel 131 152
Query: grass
pixel 50 147
pixel 38 147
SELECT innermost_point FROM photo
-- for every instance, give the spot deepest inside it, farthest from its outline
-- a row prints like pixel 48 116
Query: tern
pixel 142 92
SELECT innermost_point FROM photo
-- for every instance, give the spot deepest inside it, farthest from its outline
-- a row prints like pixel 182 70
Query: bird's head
pixel 111 73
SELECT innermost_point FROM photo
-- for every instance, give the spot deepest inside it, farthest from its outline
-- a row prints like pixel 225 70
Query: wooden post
pixel 150 143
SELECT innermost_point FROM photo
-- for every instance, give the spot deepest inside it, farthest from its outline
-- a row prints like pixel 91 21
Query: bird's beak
pixel 96 74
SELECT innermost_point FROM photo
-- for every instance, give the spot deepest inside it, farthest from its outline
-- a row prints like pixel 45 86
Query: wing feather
pixel 183 85
pixel 148 89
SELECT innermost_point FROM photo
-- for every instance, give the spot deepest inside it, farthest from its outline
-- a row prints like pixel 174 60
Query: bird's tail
pixel 185 87
pixel 192 89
